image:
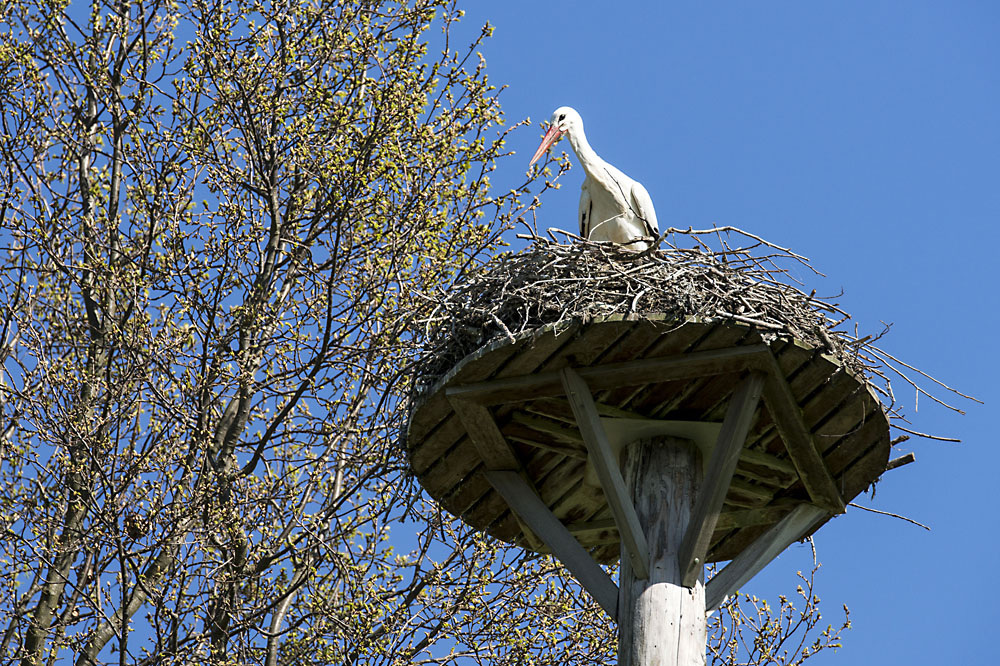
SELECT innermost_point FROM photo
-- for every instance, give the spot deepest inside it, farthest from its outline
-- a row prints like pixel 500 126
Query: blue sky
pixel 864 135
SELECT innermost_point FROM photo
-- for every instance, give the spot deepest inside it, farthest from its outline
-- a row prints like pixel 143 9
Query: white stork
pixel 613 207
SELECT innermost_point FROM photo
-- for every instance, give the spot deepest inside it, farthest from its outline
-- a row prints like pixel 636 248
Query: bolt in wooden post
pixel 661 622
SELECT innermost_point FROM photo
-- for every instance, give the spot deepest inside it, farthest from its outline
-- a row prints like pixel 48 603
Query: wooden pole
pixel 661 622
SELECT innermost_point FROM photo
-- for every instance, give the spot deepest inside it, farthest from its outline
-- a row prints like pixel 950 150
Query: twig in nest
pixel 717 230
pixel 891 515
pixel 635 301
pixel 924 374
pixel 924 435
pixel 900 461
pixel 503 326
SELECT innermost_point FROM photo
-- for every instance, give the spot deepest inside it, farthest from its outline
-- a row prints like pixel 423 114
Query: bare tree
pixel 218 221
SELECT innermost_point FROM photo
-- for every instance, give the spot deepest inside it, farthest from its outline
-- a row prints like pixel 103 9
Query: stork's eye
pixel 562 117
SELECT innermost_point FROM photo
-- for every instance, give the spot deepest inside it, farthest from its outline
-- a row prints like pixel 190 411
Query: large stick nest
pixel 553 283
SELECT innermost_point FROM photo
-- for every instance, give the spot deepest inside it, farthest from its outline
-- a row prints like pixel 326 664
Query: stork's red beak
pixel 550 137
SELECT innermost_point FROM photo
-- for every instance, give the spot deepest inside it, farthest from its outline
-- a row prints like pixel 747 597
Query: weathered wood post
pixel 660 621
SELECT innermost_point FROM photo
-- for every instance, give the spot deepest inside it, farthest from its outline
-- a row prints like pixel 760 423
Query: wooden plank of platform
pixel 451 469
pixel 765 515
pixel 562 492
pixel 554 447
pixel 718 477
pixel 600 377
pixel 787 417
pixel 634 344
pixel 873 431
pixel 769 545
pixel 595 540
pixel 588 527
pixel 638 344
pixel 541 350
pixel 564 433
pixel 591 344
pixel 836 410
pixel 761 459
pixel 755 491
pixel 682 366
pixel 608 471
pixel 526 503
pixel 864 470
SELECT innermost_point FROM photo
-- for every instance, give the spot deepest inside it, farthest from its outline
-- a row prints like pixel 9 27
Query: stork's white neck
pixel 596 168
pixel 589 160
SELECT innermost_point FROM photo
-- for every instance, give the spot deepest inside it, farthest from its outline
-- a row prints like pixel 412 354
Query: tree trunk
pixel 660 622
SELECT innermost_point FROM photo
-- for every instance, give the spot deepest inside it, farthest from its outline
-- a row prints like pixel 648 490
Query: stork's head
pixel 564 120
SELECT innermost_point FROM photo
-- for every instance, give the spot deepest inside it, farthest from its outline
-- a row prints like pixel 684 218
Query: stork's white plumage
pixel 613 207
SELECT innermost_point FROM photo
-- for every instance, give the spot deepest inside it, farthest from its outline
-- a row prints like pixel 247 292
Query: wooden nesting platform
pixel 817 436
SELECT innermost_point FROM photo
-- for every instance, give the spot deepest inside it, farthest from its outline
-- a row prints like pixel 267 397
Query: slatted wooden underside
pixel 829 451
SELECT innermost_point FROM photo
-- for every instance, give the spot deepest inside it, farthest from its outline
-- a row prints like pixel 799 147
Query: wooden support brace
pixel 769 545
pixel 614 375
pixel 768 461
pixel 523 500
pixel 576 529
pixel 720 471
pixel 579 454
pixel 764 515
pixel 485 435
pixel 787 417
pixel 563 433
pixel 492 447
pixel 608 471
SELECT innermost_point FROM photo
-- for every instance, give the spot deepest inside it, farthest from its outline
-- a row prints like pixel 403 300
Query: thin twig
pixel 891 515
pixel 924 435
